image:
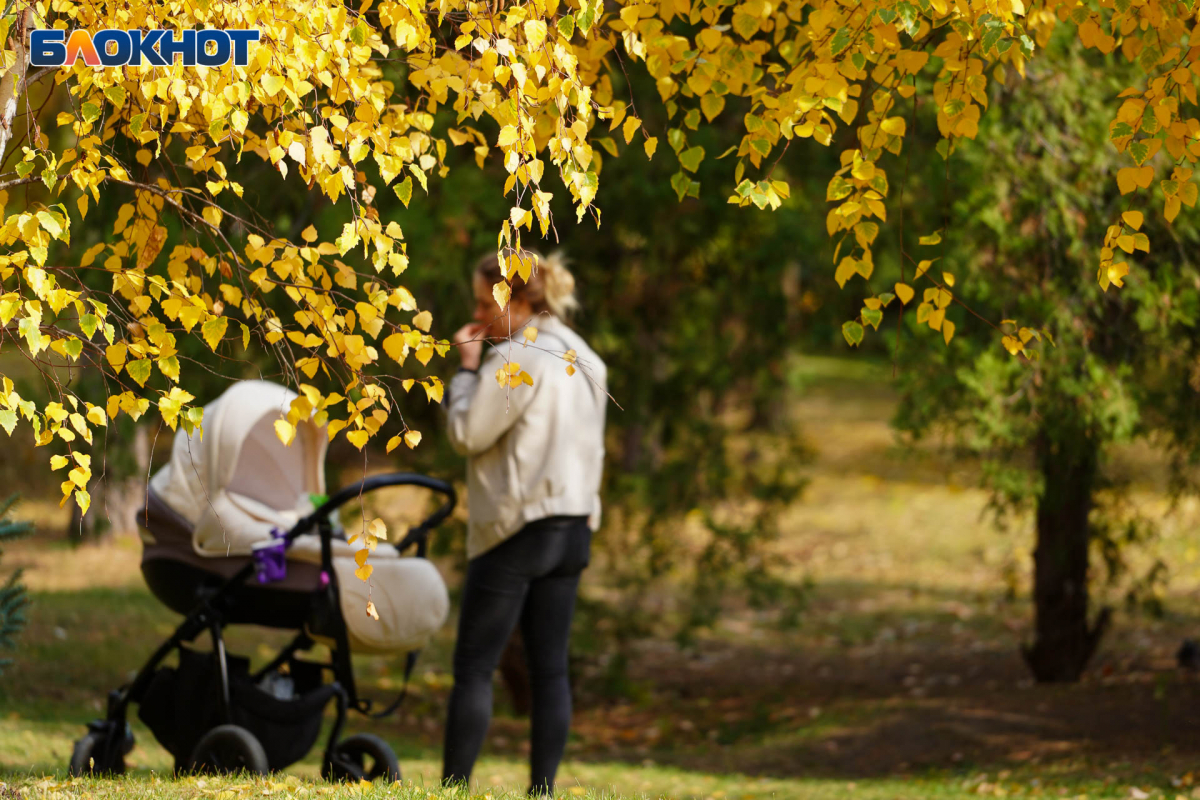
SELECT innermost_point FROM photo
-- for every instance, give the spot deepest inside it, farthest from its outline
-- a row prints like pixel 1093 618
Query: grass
pixel 903 680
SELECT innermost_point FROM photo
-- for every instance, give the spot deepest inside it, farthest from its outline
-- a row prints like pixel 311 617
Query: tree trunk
pixel 13 83
pixel 514 672
pixel 1063 643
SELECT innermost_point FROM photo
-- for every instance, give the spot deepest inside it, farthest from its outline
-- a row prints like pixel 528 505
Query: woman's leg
pixel 546 629
pixel 493 595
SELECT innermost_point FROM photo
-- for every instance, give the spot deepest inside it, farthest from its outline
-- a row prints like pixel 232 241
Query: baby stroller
pixel 236 530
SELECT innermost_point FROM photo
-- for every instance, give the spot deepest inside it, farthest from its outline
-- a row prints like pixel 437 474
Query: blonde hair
pixel 551 286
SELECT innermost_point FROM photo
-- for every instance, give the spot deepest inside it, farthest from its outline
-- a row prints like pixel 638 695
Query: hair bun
pixel 559 284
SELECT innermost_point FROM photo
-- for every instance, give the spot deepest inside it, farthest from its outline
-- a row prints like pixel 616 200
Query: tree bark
pixel 1064 642
pixel 12 85
pixel 514 672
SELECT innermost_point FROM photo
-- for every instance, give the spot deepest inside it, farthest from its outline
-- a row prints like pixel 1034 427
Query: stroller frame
pixel 111 738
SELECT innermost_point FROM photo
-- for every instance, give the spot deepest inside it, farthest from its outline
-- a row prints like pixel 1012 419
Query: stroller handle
pixel 370 484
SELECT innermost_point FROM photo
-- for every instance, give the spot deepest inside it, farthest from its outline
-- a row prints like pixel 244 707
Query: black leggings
pixel 531 577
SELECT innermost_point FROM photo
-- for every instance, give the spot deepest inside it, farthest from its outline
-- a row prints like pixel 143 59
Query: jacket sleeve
pixel 480 411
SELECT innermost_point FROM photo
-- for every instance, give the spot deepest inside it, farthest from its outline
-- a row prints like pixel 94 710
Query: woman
pixel 535 456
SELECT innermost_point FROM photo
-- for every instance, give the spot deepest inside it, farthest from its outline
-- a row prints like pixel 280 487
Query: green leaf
pixel 91 112
pixel 841 40
pixel 908 17
pixel 139 370
pixel 761 146
pixel 676 138
pixel 1140 151
pixel 871 316
pixel 88 324
pixel 690 159
pixel 1120 130
pixel 115 95
pixel 853 333
pixel 680 182
pixel 566 26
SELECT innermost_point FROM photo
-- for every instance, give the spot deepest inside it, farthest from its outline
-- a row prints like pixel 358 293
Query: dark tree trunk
pixel 514 672
pixel 1064 642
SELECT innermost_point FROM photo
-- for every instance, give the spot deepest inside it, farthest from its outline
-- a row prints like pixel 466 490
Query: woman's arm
pixel 479 411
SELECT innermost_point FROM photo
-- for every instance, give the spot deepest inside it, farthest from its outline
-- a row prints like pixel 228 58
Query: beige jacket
pixel 532 451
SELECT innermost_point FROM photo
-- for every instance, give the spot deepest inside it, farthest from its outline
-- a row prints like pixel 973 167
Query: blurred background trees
pixel 1029 201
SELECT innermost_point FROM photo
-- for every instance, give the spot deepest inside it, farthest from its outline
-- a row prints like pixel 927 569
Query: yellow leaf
pixel 1126 180
pixel 373 614
pixel 630 128
pixel 377 529
pixel 412 439
pixel 360 557
pixel 501 293
pixel 904 292
pixel 393 443
pixel 1117 272
pixel 651 145
pixel 531 333
pixel 285 430
pixel 58 462
pixel 363 573
pixel 272 83
pixel 396 347
pixel 535 33
pixel 115 353
pixel 947 330
pixel 358 439
pixel 214 330
pixel 948 278
pixel 424 321
pixel 1133 219
pixel 1171 211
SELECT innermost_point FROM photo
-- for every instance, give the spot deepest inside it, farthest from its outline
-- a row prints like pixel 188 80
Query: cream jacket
pixel 532 451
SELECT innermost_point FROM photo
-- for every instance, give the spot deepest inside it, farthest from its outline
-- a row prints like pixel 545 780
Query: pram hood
pixel 237 481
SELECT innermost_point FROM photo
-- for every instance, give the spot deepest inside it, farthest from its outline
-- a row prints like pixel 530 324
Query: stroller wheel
pixel 95 754
pixel 229 748
pixel 361 757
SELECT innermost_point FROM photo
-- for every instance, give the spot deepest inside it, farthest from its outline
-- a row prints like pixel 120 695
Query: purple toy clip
pixel 270 558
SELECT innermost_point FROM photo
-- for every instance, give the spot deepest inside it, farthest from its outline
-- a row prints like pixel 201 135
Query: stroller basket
pixel 178 706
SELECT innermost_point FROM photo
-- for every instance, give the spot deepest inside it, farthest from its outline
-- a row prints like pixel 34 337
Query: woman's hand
pixel 470 344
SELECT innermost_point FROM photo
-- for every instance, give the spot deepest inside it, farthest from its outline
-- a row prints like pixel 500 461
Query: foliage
pixel 1122 363
pixel 13 598
pixel 345 102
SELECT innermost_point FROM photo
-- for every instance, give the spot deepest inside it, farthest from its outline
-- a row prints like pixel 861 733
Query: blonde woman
pixel 534 461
